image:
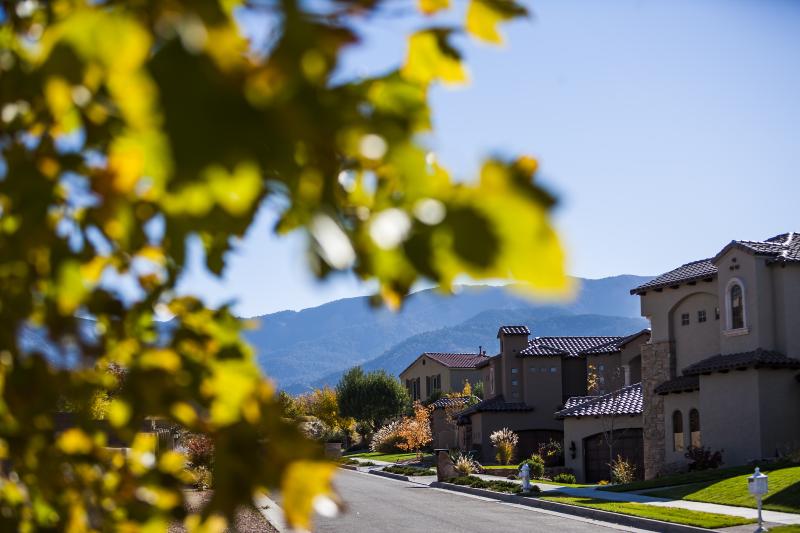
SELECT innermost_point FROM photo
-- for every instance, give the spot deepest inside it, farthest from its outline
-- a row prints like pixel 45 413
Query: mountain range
pixel 312 347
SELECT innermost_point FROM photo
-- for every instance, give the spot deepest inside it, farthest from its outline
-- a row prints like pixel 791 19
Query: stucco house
pixel 438 372
pixel 721 367
pixel 529 379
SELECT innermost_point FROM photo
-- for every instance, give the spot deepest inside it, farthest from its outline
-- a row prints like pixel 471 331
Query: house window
pixel 427 386
pixel 491 380
pixel 694 428
pixel 701 315
pixel 677 431
pixel 514 370
pixel 736 305
pixel 533 369
pixel 685 319
pixel 601 368
pixel 716 313
pixel 437 383
pixel 514 382
pixel 553 370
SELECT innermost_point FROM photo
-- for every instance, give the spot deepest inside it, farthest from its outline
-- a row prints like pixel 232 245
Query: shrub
pixel 466 465
pixel 505 442
pixel 702 458
pixel 564 478
pixel 603 482
pixel 478 483
pixel 202 477
pixel 536 464
pixel 387 439
pixel 622 471
pixel 410 470
pixel 550 451
pixel 199 449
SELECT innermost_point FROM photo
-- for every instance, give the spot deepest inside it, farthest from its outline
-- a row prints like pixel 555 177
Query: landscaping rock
pixel 445 468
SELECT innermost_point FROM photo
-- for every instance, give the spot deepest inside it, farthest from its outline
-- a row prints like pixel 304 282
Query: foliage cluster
pixel 702 458
pixel 405 470
pixel 622 470
pixel 550 451
pixel 134 131
pixel 466 465
pixel 387 439
pixel 536 466
pixel 199 449
pixel 565 477
pixel 415 431
pixel 370 398
pixel 495 485
pixel 505 444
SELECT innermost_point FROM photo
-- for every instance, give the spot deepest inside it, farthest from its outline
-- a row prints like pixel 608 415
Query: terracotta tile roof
pixel 780 248
pixel 513 330
pixel 694 271
pixel 756 358
pixel 454 401
pixel 457 360
pixel 679 384
pixel 615 345
pixel 495 404
pixel 486 361
pixel 625 401
pixel 570 346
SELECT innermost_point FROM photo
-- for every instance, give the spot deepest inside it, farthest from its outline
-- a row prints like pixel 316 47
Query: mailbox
pixel 758 483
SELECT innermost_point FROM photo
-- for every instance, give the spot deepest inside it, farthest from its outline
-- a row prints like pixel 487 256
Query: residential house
pixel 443 424
pixel 722 365
pixel 531 378
pixel 720 369
pixel 433 373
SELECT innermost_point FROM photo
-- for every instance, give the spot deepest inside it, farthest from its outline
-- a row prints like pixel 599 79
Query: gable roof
pixel 451 360
pixel 679 384
pixel 783 248
pixel 625 401
pixel 694 271
pixel 488 360
pixel 571 346
pixel 513 330
pixel 780 248
pixel 735 361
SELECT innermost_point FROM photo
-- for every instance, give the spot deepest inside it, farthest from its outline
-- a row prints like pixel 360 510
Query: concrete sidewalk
pixel 731 510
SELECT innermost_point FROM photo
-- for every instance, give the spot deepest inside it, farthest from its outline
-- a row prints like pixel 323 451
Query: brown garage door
pixel 627 442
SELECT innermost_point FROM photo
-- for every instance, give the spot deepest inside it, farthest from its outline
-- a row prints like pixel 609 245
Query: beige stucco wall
pixel 786 302
pixel 656 306
pixel 779 413
pixel 452 378
pixel 730 415
pixel 445 435
pixel 697 340
pixel 577 429
pixel 609 371
pixel 543 386
pixel 683 402
pixel 756 278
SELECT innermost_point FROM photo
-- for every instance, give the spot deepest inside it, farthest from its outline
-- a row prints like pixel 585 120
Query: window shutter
pixel 427 385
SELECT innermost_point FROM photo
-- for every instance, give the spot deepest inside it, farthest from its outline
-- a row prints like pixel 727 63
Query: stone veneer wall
pixel 658 366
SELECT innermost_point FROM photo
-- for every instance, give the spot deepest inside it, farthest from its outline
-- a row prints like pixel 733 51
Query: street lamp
pixel 758 485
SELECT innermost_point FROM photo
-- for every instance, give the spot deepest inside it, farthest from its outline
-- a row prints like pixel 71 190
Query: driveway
pixel 376 504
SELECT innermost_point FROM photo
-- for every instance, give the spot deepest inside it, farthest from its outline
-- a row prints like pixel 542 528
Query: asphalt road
pixel 376 504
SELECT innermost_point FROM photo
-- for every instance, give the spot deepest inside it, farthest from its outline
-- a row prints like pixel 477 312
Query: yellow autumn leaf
pixel 427 62
pixel 231 384
pixel 162 358
pixel 483 17
pixel 74 441
pixel 119 412
pixel 432 6
pixel 70 288
pixel 302 483
pixel 235 191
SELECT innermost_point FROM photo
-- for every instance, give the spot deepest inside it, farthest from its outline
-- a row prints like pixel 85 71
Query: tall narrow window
pixel 677 431
pixel 701 315
pixel 694 428
pixel 685 319
pixel 736 306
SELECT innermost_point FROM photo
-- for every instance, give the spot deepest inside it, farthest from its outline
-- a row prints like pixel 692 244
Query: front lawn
pixel 665 514
pixel 680 479
pixel 387 457
pixel 784 491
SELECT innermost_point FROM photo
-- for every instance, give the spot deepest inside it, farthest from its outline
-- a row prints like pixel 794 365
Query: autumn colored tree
pixel 415 431
pixel 130 129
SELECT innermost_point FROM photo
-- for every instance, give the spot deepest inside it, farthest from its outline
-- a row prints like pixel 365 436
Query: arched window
pixel 736 305
pixel 677 431
pixel 694 428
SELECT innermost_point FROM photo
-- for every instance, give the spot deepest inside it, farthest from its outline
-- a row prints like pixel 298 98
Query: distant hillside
pixel 481 331
pixel 299 348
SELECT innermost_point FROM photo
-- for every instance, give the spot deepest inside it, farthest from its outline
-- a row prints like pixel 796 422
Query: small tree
pixel 370 398
pixel 416 430
pixel 505 442
pixel 465 400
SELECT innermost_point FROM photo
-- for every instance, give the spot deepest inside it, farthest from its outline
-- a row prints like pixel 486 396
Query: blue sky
pixel 666 129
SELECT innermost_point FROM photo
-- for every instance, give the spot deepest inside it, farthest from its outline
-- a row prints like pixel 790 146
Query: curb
pixel 349 467
pixel 272 512
pixel 584 512
pixel 381 473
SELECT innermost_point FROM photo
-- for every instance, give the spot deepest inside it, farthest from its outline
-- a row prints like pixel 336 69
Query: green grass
pixel 665 514
pixel 680 479
pixel 409 470
pixel 499 467
pixel 786 529
pixel 784 491
pixel 388 457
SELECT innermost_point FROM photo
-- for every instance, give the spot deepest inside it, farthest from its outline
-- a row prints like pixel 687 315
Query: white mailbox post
pixel 525 476
pixel 758 485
